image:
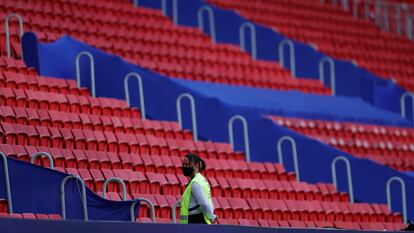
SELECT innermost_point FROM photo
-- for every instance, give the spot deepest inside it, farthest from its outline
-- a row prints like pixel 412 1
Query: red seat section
pixel 209 61
pixel 100 138
pixel 335 32
pixel 391 146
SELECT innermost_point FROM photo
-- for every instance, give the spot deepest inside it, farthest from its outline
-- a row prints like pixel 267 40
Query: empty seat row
pixel 347 129
pixel 111 142
pixel 335 33
pixel 118 39
pixel 59 119
pixel 391 146
pixel 15 65
pixel 253 209
pixel 167 184
pixel 315 224
pixel 66 158
pixel 31 216
pixel 19 80
pixel 68 103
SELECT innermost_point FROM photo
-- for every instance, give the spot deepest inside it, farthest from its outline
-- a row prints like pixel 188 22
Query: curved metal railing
pixel 7 182
pixel 211 21
pixel 140 89
pixel 403 195
pixel 331 63
pixel 402 104
pixel 245 132
pixel 147 202
pixel 63 198
pixel 349 175
pixel 92 69
pixel 294 153
pixel 48 156
pixel 173 209
pixel 174 11
pixel 242 37
pixel 7 30
pixel 117 180
pixel 193 113
pixel 292 55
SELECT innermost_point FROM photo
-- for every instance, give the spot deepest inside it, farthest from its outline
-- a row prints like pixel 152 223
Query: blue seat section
pixel 36 189
pixel 314 158
pixel 297 104
pixel 350 79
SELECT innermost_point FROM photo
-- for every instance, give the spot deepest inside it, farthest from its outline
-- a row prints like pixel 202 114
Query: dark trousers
pixel 196 219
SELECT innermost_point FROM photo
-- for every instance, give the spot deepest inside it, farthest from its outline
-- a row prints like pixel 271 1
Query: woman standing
pixel 196 203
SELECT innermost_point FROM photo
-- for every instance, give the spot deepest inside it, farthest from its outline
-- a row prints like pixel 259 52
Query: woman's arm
pixel 202 200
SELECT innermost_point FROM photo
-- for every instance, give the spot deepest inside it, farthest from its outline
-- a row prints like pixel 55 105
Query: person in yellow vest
pixel 196 203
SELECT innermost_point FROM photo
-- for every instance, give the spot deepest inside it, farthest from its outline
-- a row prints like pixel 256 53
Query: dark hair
pixel 195 159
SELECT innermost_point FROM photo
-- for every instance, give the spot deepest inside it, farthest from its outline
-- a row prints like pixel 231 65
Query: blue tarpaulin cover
pixel 36 189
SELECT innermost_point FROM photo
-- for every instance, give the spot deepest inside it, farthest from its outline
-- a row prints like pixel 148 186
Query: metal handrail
pixel 193 113
pixel 63 198
pixel 403 195
pixel 252 38
pixel 151 208
pixel 173 208
pixel 291 46
pixel 366 9
pixel 7 181
pixel 175 10
pixel 331 63
pixel 48 156
pixel 409 26
pixel 92 69
pixel 385 22
pixel 294 153
pixel 245 132
pixel 349 175
pixel 7 30
pixel 355 8
pixel 140 89
pixel 398 18
pixel 114 179
pixel 211 20
pixel 402 104
pixel 345 3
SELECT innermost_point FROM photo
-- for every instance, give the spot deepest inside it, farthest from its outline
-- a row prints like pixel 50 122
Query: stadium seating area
pixel 99 138
pixel 146 38
pixel 335 33
pixel 97 142
pixel 391 146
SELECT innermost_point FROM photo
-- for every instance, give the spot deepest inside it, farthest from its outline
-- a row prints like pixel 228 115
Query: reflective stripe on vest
pixel 185 200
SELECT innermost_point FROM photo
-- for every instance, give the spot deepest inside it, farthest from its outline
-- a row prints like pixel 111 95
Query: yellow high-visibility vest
pixel 185 199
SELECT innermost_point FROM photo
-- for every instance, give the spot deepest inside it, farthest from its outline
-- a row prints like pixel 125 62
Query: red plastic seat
pixel 240 208
pixel 87 177
pixel 98 178
pixel 157 182
pixel 70 159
